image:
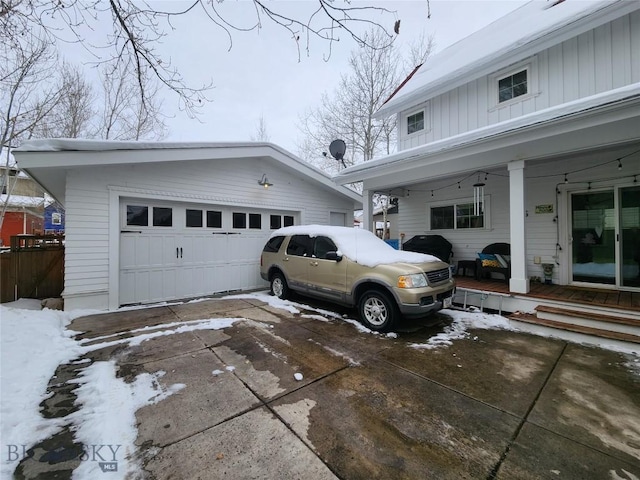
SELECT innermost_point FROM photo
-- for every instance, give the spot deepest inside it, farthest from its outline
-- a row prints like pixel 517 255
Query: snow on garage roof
pixel 525 31
pixel 47 160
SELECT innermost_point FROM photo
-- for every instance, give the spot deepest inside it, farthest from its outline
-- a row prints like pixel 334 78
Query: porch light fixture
pixel 264 181
pixel 619 164
pixel 478 197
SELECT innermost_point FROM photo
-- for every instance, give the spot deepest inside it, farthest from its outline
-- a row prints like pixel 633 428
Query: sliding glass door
pixel 605 237
pixel 630 236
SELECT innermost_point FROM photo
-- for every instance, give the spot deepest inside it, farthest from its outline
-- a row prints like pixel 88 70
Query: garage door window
pixel 275 222
pixel 255 221
pixel 288 220
pixel 194 218
pixel 214 219
pixel 162 217
pixel 239 220
pixel 137 215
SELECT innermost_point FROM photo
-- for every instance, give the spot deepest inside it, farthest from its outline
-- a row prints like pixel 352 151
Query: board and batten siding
pixel 89 207
pixel 543 180
pixel 602 59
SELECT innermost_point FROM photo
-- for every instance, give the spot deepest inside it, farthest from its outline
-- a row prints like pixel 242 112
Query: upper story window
pixel 512 86
pixel 516 83
pixel 415 122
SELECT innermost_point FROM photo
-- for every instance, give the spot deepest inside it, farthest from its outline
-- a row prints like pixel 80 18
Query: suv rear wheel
pixel 377 310
pixel 279 286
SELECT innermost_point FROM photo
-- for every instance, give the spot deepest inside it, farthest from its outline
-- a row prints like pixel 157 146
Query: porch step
pixel 622 322
pixel 590 331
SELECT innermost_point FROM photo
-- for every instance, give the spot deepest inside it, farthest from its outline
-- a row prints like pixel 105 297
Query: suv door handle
pixel 285 259
pixel 313 264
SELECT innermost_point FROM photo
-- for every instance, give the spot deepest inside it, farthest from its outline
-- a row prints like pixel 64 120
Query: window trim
pixel 453 202
pixel 531 67
pixel 424 108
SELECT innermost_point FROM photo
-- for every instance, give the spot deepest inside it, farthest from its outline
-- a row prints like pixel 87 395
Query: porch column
pixel 519 282
pixel 367 210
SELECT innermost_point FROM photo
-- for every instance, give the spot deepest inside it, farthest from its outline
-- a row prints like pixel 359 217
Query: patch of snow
pixel 33 343
pixel 100 395
pixel 229 368
pixel 463 321
pixel 298 376
pixel 217 372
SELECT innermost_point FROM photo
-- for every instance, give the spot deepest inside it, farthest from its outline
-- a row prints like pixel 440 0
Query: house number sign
pixel 544 208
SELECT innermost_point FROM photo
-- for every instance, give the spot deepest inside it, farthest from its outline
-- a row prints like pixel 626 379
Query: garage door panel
pixel 175 262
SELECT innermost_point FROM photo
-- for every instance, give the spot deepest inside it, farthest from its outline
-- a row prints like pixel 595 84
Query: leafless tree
pixel 347 113
pixel 73 115
pixel 261 134
pixel 25 97
pixel 124 115
pixel 138 29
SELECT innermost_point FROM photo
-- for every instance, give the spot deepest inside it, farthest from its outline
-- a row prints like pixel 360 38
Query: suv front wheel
pixel 377 310
pixel 279 286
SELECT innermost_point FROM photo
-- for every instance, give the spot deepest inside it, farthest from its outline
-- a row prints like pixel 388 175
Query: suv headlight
pixel 415 280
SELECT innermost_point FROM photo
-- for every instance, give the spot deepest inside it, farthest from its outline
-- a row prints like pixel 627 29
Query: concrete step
pixel 577 332
pixel 614 322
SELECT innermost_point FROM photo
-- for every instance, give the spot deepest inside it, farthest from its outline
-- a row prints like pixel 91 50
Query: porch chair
pixel 495 257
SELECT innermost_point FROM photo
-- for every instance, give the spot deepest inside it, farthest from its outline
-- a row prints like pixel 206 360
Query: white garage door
pixel 172 251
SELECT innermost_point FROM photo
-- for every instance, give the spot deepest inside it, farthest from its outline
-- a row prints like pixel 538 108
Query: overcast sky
pixel 262 76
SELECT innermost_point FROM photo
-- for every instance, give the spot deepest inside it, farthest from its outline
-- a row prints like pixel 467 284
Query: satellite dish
pixel 337 150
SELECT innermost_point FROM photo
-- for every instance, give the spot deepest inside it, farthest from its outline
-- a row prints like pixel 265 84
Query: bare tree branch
pixel 138 29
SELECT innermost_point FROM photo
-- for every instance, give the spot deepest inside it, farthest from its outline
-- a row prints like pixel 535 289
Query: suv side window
pixel 300 246
pixel 273 245
pixel 322 246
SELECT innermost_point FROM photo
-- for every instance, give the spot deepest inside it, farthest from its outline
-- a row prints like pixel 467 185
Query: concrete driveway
pixel 496 405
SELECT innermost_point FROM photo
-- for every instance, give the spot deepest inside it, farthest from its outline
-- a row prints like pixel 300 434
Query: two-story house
pixel 526 132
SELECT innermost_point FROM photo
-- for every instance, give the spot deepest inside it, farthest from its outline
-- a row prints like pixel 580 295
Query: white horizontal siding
pixel 543 180
pixel 220 182
pixel 602 59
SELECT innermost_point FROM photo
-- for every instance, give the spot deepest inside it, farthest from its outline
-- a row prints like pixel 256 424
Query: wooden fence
pixel 33 268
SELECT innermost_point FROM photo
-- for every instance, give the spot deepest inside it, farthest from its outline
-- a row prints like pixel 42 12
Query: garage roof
pixel 48 160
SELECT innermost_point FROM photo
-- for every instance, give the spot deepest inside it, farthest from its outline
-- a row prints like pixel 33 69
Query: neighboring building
pixel 150 222
pixel 392 232
pixel 22 200
pixel 543 108
pixel 53 219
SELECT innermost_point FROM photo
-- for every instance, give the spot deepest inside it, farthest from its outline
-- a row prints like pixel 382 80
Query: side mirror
pixel 333 256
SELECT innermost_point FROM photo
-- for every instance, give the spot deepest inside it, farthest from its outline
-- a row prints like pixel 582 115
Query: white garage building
pixel 151 222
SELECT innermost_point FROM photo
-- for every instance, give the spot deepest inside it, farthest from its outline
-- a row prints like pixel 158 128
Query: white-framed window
pixel 56 218
pixel 416 121
pixel 514 84
pixel 458 215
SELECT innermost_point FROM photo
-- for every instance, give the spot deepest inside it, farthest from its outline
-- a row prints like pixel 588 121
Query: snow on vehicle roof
pixel 359 245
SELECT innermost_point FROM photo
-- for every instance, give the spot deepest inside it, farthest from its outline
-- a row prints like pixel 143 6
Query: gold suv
pixel 353 267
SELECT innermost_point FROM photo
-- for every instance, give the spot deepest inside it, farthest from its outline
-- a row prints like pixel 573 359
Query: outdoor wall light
pixel 264 181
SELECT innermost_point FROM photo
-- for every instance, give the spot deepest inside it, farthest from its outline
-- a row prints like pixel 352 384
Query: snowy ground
pixel 34 342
